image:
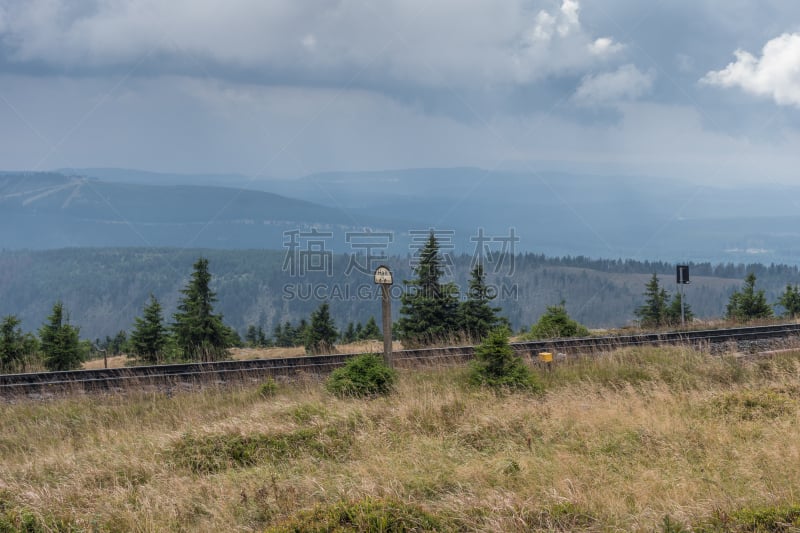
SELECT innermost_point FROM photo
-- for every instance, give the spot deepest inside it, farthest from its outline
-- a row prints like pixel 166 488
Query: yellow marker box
pixel 545 357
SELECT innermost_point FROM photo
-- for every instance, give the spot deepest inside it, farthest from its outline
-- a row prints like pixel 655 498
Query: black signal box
pixel 682 274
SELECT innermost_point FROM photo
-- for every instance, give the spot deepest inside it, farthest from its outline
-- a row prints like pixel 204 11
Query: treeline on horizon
pixel 105 288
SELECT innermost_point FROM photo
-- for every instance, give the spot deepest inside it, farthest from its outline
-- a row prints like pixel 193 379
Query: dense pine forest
pixel 104 289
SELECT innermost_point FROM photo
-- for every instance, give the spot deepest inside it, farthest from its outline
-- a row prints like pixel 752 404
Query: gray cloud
pixel 430 44
pixel 287 88
pixel 625 83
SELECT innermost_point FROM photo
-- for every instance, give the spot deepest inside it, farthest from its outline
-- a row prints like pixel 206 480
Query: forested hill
pixel 50 210
pixel 105 288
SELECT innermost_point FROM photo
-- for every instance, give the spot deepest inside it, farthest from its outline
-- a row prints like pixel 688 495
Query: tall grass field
pixel 645 439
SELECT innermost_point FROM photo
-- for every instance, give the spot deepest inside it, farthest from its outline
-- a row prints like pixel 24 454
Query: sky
pixel 700 90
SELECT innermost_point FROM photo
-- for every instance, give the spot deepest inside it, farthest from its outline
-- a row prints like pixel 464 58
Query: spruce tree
pixel 251 336
pixel 654 311
pixel 673 316
pixel 349 334
pixel 556 323
pixel 261 338
pixel 497 366
pixel 200 333
pixel 790 301
pixel 429 308
pixel 748 304
pixel 321 333
pixel 60 341
pixel 149 335
pixel 476 317
pixel 301 333
pixel 371 331
pixel 13 344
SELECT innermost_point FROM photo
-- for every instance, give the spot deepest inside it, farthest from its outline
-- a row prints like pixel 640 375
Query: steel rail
pixel 180 374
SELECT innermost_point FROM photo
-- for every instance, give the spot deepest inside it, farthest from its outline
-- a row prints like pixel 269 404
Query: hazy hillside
pixel 41 210
pixel 104 289
pixel 555 213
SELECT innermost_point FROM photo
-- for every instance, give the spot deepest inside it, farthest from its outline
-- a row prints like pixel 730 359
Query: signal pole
pixel 682 278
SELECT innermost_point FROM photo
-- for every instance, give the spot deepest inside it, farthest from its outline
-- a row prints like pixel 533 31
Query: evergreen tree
pixel 476 317
pixel 654 311
pixel 14 345
pixel 60 341
pixel 261 338
pixel 359 332
pixel 429 308
pixel 556 323
pixel 349 334
pixel 301 333
pixel 748 304
pixel 284 335
pixel 251 336
pixel 277 335
pixel 673 316
pixel 321 334
pixel 790 301
pixel 149 335
pixel 497 366
pixel 119 344
pixel 232 337
pixel 200 333
pixel 371 331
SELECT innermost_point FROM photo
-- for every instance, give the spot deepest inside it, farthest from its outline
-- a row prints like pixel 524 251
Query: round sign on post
pixel 383 277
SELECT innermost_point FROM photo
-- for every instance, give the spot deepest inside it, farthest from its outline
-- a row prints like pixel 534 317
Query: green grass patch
pixel 206 454
pixel 777 519
pixel 14 519
pixel 307 412
pixel 680 368
pixel 753 404
pixel 367 515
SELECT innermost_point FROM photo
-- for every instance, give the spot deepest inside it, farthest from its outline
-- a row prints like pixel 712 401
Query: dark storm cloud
pixel 288 88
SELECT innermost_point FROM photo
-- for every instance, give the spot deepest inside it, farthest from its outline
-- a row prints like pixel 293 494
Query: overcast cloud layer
pixel 702 90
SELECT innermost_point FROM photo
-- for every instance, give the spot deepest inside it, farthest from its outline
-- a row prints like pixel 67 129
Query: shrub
pixel 497 366
pixel 556 323
pixel 268 388
pixel 365 375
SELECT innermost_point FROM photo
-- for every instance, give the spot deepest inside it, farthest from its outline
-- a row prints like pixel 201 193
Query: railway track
pixel 170 377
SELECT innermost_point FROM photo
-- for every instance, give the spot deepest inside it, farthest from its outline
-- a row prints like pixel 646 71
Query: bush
pixel 365 375
pixel 556 323
pixel 268 388
pixel 497 366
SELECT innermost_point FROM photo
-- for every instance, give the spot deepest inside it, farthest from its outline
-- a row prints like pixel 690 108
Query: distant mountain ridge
pixel 548 212
pixel 50 210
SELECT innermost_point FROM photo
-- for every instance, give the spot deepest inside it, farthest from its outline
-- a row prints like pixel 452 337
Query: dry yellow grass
pixel 119 361
pixel 299 351
pixel 115 361
pixel 614 444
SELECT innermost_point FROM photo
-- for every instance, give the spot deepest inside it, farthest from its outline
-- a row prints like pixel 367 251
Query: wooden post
pixel 383 277
pixel 387 323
